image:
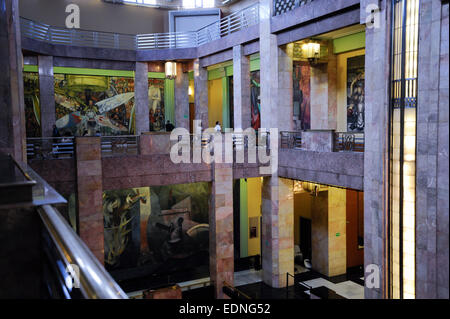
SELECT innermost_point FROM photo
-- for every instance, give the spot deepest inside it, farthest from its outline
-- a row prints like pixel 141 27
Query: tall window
pixel 405 37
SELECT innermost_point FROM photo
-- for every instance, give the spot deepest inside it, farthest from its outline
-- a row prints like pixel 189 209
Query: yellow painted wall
pixel 302 208
pixel 254 210
pixel 191 91
pixel 214 102
pixel 342 87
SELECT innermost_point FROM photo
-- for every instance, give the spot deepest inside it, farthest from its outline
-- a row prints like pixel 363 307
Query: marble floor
pixel 347 289
pixel 349 286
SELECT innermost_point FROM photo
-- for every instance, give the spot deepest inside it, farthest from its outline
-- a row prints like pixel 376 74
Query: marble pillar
pixel 221 244
pixel 182 98
pixel 201 94
pixel 241 88
pixel 376 145
pixel 90 194
pixel 324 94
pixel 277 230
pixel 337 228
pixel 46 94
pixel 141 100
pixel 328 232
pixel 12 105
pixel 432 168
pixel 277 111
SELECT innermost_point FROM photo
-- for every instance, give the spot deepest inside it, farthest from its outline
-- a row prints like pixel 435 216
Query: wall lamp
pixel 171 70
pixel 311 51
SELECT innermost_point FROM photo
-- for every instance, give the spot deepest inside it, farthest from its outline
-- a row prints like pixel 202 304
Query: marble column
pixel 324 94
pixel 432 168
pixel 277 230
pixel 46 94
pixel 12 105
pixel 182 97
pixel 328 235
pixel 201 94
pixel 90 194
pixel 376 146
pixel 221 244
pixel 277 109
pixel 277 194
pixel 241 89
pixel 141 101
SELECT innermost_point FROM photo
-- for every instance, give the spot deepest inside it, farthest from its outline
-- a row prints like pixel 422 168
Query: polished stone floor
pixel 348 286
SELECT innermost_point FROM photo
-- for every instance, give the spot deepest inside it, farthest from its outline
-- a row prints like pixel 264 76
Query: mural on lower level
pixel 32 104
pixel 302 93
pixel 159 229
pixel 255 99
pixel 94 105
pixel 355 93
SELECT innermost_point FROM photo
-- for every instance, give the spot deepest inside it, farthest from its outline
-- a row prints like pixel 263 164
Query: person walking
pixel 218 128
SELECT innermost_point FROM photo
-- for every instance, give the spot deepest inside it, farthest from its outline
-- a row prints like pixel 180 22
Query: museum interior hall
pixel 224 149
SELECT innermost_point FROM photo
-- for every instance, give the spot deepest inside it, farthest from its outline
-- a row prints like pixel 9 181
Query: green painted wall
pixel 169 100
pixel 225 103
pixel 349 43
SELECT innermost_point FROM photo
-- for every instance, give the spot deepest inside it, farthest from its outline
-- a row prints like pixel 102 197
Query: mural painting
pixel 32 104
pixel 156 104
pixel 255 99
pixel 94 105
pixel 162 229
pixel 355 94
pixel 302 94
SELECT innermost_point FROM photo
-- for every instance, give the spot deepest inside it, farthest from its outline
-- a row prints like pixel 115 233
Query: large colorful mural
pixel 355 93
pixel 92 105
pixel 302 93
pixel 32 104
pixel 162 229
pixel 255 99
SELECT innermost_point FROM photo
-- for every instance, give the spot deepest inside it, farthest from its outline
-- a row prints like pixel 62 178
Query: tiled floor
pixel 247 277
pixel 349 286
pixel 347 289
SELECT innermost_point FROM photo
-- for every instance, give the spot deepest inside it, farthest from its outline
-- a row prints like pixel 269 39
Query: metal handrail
pixel 120 144
pixel 291 139
pixel 95 281
pixel 98 39
pixel 233 290
pixel 349 142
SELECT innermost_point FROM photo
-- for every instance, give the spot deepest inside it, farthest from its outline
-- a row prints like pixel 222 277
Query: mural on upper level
pixel 255 99
pixel 32 104
pixel 160 230
pixel 92 105
pixel 156 104
pixel 355 94
pixel 302 94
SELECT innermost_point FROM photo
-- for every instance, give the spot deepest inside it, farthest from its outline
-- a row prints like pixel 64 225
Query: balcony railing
pixel 283 6
pixel 290 139
pixel 50 147
pixel 71 270
pixel 349 142
pixel 234 22
pixel 120 145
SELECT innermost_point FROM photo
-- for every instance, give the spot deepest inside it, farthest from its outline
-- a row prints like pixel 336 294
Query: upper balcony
pixel 228 25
